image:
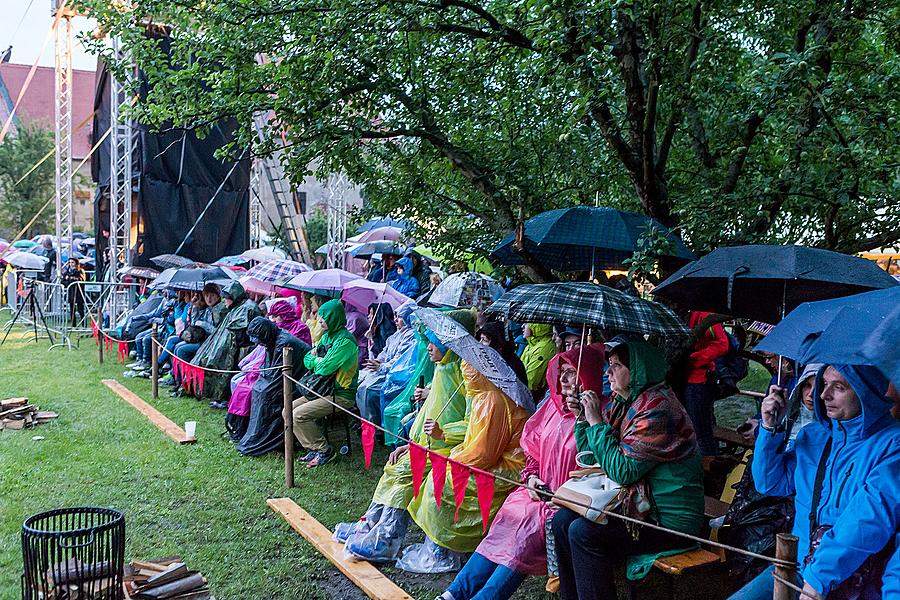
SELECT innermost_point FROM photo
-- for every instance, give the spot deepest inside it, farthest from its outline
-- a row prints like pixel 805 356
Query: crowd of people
pixel 826 441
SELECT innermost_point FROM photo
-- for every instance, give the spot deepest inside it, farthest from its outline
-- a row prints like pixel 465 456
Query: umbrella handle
pixel 739 271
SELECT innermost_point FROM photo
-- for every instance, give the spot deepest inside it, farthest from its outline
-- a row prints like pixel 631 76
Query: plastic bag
pixel 428 557
pixel 343 531
pixel 383 541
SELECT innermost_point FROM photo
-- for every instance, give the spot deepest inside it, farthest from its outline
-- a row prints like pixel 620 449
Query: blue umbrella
pixel 382 222
pixel 767 282
pixel 233 261
pixel 794 334
pixel 881 346
pixel 582 237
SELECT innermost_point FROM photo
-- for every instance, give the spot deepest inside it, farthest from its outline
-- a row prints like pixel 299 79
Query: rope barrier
pixel 784 581
pixel 550 496
pixel 210 369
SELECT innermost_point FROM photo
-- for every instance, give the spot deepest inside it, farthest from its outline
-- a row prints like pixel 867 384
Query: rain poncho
pixel 341 356
pixel 382 327
pixel 448 395
pixel 860 448
pixel 358 325
pixel 406 283
pixel 222 350
pixel 517 538
pixel 539 350
pixel 265 425
pixel 491 443
pixel 369 397
pixel 410 368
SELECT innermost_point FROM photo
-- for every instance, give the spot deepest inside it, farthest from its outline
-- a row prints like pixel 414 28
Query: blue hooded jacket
pixel 856 500
pixel 406 283
pixel 890 587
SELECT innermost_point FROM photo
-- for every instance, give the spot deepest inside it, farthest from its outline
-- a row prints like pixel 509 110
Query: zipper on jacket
pixel 837 503
pixel 833 459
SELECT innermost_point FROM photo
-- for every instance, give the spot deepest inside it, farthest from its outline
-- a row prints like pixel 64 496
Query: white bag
pixel 587 495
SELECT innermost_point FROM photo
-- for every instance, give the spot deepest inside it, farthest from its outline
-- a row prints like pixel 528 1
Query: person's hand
pixel 421 394
pixel 810 593
pixel 433 430
pixel 397 453
pixel 533 483
pixel 748 430
pixel 590 401
pixel 372 364
pixel 773 407
pixel 574 405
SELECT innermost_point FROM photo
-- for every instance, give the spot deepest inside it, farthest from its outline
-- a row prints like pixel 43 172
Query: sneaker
pixel 309 456
pixel 321 458
pixel 132 354
pixel 167 380
pixel 132 365
pixel 176 393
pixel 129 374
pixel 143 374
pixel 218 405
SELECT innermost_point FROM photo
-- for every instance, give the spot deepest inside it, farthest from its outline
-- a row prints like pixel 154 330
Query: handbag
pixel 588 492
pixel 865 582
pixel 312 383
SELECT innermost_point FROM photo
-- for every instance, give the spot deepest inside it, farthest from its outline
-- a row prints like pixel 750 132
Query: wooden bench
pixel 732 437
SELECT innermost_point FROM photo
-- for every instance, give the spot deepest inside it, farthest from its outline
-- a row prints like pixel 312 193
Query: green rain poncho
pixel 538 352
pixel 342 352
pixel 448 394
pixel 227 344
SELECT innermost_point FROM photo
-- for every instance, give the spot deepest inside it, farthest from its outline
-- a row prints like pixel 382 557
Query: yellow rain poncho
pixel 538 352
pixel 395 486
pixel 491 443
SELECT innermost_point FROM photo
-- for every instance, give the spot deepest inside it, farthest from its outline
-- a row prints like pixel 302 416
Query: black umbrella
pixel 766 282
pixel 192 277
pixel 167 261
pixel 584 237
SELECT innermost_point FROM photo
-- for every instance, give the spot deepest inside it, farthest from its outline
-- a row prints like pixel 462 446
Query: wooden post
pixel 154 356
pixel 100 330
pixel 288 387
pixel 786 550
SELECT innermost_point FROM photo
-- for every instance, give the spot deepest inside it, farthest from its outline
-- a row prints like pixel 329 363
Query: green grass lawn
pixel 204 502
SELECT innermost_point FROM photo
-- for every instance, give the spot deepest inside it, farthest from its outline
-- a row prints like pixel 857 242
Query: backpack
pixel 730 369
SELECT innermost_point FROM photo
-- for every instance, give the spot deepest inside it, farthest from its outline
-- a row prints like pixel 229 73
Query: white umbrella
pixel 25 260
pixel 265 253
pixel 463 290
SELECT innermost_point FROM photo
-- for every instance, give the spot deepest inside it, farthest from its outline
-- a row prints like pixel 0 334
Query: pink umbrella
pixel 380 233
pixel 252 285
pixel 3 245
pixel 362 293
pixel 327 282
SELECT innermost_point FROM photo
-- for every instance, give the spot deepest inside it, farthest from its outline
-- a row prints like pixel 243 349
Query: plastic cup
pixel 190 428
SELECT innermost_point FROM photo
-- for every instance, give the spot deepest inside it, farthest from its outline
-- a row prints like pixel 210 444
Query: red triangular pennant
pixel 484 485
pixel 95 332
pixel 459 474
pixel 368 441
pixel 438 474
pixel 175 367
pixel 123 351
pixel 417 458
pixel 200 376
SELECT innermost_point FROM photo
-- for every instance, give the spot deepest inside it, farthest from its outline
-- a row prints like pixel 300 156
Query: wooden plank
pixel 365 576
pixel 679 563
pixel 157 418
pixel 731 436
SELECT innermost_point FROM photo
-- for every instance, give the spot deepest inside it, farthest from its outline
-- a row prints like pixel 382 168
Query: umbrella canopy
pixel 766 282
pixel 167 261
pixel 381 222
pixel 265 253
pixel 326 282
pixel 880 347
pixel 25 260
pixel 89 242
pixel 233 261
pixel 461 290
pixel 3 245
pixel 361 293
pixel 252 285
pixel 485 359
pixel 792 336
pixel 24 244
pixel 193 277
pixel 141 272
pixel 378 233
pixel 379 247
pixel 584 237
pixel 273 270
pixel 584 303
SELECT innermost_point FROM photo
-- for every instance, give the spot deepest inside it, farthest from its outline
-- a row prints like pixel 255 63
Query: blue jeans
pixel 760 588
pixel 481 579
pixel 165 355
pixel 698 401
pixel 142 345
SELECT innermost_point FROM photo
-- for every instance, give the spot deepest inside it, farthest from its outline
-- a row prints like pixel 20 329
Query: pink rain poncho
pixel 516 538
pixel 242 383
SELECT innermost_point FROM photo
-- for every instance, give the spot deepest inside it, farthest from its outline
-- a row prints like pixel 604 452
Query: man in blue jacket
pixel 853 440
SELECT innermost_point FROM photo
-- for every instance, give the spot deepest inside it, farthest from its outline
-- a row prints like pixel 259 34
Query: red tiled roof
pixel 37 103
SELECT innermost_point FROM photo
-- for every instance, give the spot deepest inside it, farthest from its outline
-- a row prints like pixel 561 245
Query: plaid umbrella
pixel 582 237
pixel 167 261
pixel 583 303
pixel 141 272
pixel 273 270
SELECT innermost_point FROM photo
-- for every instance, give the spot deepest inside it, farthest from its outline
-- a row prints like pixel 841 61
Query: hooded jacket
pixel 341 356
pixel 850 501
pixel 406 283
pixel 539 350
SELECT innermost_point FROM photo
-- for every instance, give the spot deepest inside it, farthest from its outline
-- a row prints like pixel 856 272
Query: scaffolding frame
pixel 336 212
pixel 62 133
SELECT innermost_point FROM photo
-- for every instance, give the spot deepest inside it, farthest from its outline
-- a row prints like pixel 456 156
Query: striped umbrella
pixel 273 270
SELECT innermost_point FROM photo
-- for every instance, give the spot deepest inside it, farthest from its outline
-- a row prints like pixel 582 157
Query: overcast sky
pixel 28 37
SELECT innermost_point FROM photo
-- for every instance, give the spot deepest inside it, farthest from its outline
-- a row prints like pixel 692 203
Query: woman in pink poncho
pixel 515 546
pixel 286 316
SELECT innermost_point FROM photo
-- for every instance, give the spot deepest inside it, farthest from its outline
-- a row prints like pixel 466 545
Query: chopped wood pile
pixel 18 413
pixel 75 580
pixel 164 579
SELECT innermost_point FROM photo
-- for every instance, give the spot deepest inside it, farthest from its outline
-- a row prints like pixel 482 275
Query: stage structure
pixel 63 129
pixel 336 213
